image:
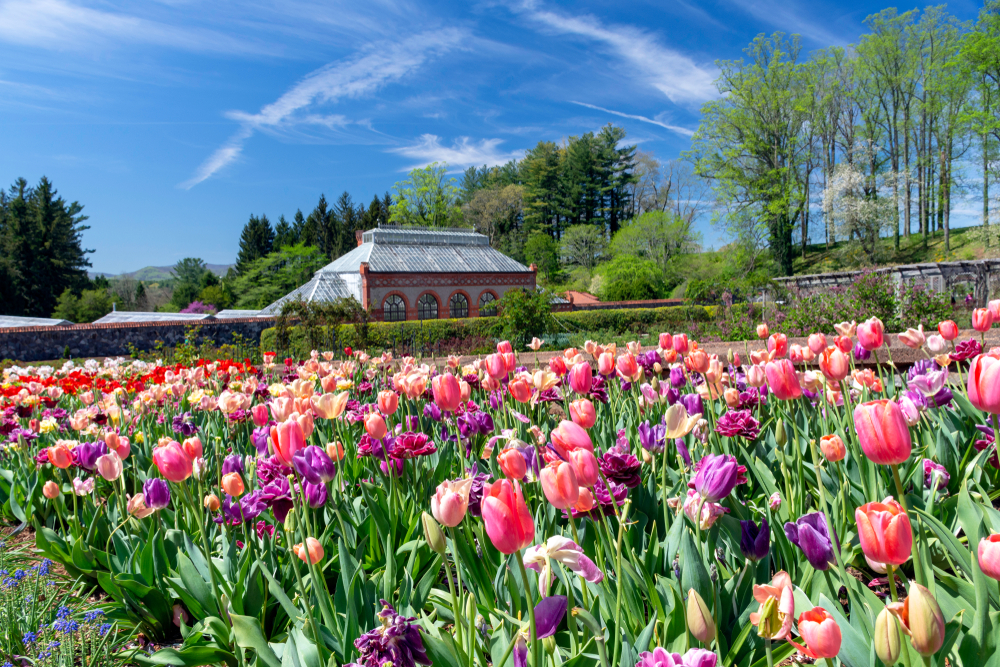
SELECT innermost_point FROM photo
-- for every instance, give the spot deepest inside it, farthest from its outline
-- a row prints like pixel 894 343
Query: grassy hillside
pixel 162 273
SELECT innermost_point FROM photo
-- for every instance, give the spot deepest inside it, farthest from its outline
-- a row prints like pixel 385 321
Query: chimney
pixel 359 235
pixel 533 268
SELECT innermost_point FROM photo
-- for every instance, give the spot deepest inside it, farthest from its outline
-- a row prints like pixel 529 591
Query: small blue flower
pixel 103 629
pixel 7 664
pixel 63 612
pixel 55 644
pixel 92 616
pixel 29 638
pixel 20 574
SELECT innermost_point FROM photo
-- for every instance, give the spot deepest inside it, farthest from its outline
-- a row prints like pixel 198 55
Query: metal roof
pixel 124 316
pixel 323 288
pixel 232 313
pixel 8 321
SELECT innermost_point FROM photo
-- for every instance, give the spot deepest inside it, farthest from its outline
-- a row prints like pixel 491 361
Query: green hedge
pixel 476 335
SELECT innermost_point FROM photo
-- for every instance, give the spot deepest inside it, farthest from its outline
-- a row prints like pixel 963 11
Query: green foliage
pixel 524 314
pixel 330 229
pixel 543 252
pixel 257 240
pixel 657 235
pixel 583 245
pixel 41 251
pixel 629 278
pixel 427 198
pixel 190 276
pixel 269 278
pixel 89 305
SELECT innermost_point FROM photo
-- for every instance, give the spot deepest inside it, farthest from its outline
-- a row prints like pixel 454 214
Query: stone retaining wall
pixel 111 340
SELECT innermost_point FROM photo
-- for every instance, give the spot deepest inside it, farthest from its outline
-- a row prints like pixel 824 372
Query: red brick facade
pixel 377 287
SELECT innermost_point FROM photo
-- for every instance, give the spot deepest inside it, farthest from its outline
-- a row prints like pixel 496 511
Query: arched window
pixel 427 307
pixel 458 305
pixel 487 304
pixel 393 308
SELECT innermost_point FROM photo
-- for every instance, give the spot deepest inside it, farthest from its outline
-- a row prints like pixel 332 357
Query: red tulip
pixel 506 516
pixel 581 376
pixel 781 380
pixel 287 438
pixel 820 632
pixel 871 334
pixel 948 330
pixel 560 485
pixel 173 462
pixel 882 432
pixel 884 532
pixel 982 320
pixel 558 365
pixel 983 383
pixel 447 392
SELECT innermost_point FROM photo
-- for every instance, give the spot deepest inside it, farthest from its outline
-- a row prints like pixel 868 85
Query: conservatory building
pixel 407 273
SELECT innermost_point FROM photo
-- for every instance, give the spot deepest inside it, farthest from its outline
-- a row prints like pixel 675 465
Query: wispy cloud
pixel 785 17
pixel 464 152
pixel 63 25
pixel 673 128
pixel 674 74
pixel 355 77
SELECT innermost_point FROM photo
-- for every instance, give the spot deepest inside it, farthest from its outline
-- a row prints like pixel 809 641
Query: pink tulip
pixel 506 517
pixel 982 320
pixel 375 426
pixel 505 347
pixel 844 344
pixel 173 462
pixel 871 334
pixel 60 455
pixel 912 338
pixel 795 353
pixel 109 466
pixel 834 364
pixel 882 432
pixel 606 363
pixel 582 412
pixel 666 341
pixel 450 501
pixel 512 463
pixel 447 392
pixel 777 344
pixel 681 343
pixel 259 415
pixel 762 331
pixel 311 553
pixel 52 491
pixel 989 556
pixel 192 447
pixel 560 485
pixel 586 467
pixel 282 408
pixel 782 381
pixel 948 330
pixel 287 438
pixel 581 376
pixel 820 632
pixel 983 383
pixel 994 308
pixel 569 436
pixel 627 366
pixel 520 390
pixel 884 532
pixel 817 342
pixel 756 377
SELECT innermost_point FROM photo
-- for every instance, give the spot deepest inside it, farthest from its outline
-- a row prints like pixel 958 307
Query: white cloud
pixel 464 152
pixel 361 75
pixel 674 74
pixel 673 128
pixel 786 19
pixel 61 25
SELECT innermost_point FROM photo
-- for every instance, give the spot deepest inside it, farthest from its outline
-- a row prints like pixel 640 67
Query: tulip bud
pixel 51 490
pixel 699 618
pixel 212 503
pixel 887 640
pixel 290 521
pixel 926 622
pixel 549 644
pixel 779 434
pixel 433 534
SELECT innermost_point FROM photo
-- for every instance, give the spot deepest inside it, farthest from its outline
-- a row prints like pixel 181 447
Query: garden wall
pixel 111 340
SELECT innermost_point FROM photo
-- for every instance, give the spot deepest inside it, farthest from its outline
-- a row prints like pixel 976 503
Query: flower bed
pixel 632 506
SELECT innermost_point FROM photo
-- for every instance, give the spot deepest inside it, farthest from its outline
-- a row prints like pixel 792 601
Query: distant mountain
pixel 158 273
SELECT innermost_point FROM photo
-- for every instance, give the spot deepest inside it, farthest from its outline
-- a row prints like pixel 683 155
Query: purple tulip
pixel 432 411
pixel 314 465
pixel 716 477
pixel 683 450
pixel 156 493
pixel 549 614
pixel 315 494
pixel 619 465
pixel 692 403
pixel 652 438
pixel 677 378
pixel 932 470
pixel 967 349
pixel 810 534
pixel 738 423
pixel 695 657
pixel 232 463
pixel 260 438
pixel 861 354
pixel 277 495
pixel 755 540
pixel 87 453
pixel 396 641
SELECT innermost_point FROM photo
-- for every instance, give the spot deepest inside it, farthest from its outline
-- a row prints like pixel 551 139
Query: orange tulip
pixel 232 484
pixel 60 455
pixel 832 447
pixel 884 532
pixel 311 553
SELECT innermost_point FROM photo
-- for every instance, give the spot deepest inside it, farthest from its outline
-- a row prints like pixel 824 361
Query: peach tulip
pixel 834 364
pixel 832 447
pixel 311 553
pixel 232 484
pixel 52 491
pixel 628 367
pixel 520 390
pixel 816 342
pixel 884 532
pixel 60 455
pixel 193 448
pixel 388 402
pixel 375 426
pixel 913 338
pixel 335 450
pixel 212 502
pixel 560 485
pixel 330 406
pixel 583 413
pixel 762 331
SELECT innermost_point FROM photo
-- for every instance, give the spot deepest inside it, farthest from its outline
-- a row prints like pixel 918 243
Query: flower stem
pixel 536 646
pixel 917 569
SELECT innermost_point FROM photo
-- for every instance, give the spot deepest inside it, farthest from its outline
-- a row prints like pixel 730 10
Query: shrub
pixel 630 278
pixel 523 315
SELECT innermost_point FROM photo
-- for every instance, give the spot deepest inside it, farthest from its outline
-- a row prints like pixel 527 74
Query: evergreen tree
pixel 256 241
pixel 41 248
pixel 284 235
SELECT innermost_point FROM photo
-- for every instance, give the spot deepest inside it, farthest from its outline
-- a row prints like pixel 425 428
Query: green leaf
pixel 188 657
pixel 693 572
pixel 248 634
pixel 974 644
pixel 442 652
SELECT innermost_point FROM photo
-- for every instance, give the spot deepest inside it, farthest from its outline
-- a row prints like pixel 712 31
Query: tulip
pixel 681 343
pixel 755 541
pixel 375 426
pixel 510 361
pixel 911 413
pixel 109 466
pixel 983 383
pixel 606 363
pixel 330 406
pixel 871 334
pixel 506 516
pixel 844 344
pixel 700 623
pixel 732 397
pixel 567 553
pixel 60 455
pixel 52 491
pixel 586 467
pixel 796 353
pixel 155 494
pixel 450 501
pixel 512 463
pixel 781 380
pixel 581 377
pixel 288 438
pixel 447 392
pixel 505 347
pixel 558 366
pixel 921 618
pixel 716 477
pixel 192 447
pixel 335 451
pixel 989 556
pixel 697 360
pixel 936 344
pixel 212 503
pixel 232 484
pixel 888 643
pixel 259 415
pixel 832 447
pixel 180 616
pixel 811 534
pixel 560 485
pixel 173 462
pixel 982 320
pixel 913 338
pixel 777 345
pixel 585 502
pixel 816 342
pixel 820 632
pixel 628 367
pixel 777 607
pixel 583 413
pixel 314 464
pixel 520 390
pixel 882 431
pixel 948 330
pixel 311 553
pixel 834 364
pixel 762 331
pixel 666 341
pixel 569 436
pixel 388 402
pixel 884 532
pixel 496 367
pixel 282 407
pixel 433 534
pixel 756 376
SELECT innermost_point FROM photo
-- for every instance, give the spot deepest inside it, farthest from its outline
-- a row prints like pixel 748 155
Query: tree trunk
pixel 986 191
pixel 805 219
pixel 906 169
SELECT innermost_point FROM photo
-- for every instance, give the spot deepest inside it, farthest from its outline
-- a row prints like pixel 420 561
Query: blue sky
pixel 173 121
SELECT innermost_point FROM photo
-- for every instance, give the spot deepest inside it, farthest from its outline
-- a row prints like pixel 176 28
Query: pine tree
pixel 284 235
pixel 256 241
